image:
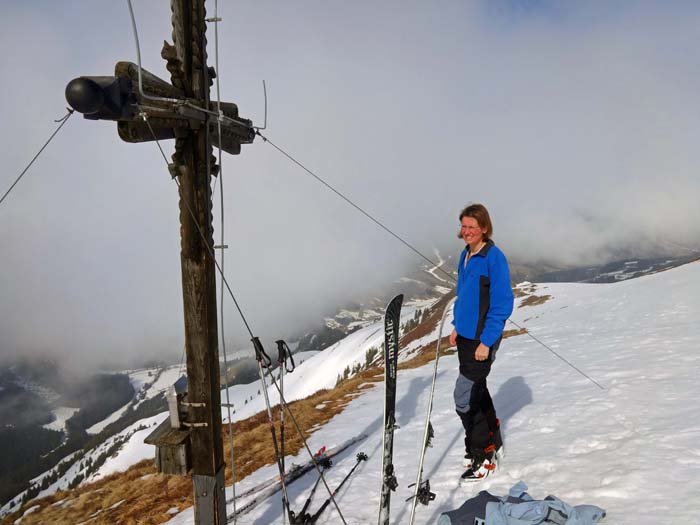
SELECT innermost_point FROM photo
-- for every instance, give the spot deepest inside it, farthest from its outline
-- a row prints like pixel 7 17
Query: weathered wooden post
pixel 194 163
pixel 182 110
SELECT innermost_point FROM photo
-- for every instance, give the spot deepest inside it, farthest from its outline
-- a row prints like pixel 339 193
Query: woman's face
pixel 471 232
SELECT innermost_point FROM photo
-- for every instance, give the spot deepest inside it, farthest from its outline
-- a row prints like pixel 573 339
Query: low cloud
pixel 573 124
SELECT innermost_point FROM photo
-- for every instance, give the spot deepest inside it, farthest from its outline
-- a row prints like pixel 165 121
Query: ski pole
pixel 360 458
pixel 422 492
pixel 264 361
pixel 303 516
pixel 306 446
pixel 284 355
pixel 280 366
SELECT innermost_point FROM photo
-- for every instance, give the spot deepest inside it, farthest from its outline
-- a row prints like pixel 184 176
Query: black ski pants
pixel 473 401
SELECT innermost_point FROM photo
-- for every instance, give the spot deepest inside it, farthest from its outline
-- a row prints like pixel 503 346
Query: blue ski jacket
pixel 484 296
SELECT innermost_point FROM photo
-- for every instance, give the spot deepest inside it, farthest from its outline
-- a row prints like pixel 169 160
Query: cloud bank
pixel 574 124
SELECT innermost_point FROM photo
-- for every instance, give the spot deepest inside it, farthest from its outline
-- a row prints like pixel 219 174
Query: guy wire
pixel 404 242
pixel 222 245
pixel 245 322
pixel 62 121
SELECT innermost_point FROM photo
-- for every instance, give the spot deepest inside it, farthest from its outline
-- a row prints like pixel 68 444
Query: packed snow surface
pixel 631 447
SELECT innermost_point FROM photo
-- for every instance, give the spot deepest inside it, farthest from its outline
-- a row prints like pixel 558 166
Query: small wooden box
pixel 173 450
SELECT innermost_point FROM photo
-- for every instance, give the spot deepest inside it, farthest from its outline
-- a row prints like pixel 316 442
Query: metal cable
pixel 201 232
pixel 62 121
pixel 138 60
pixel 222 247
pixel 351 203
pixel 404 242
pixel 182 102
pixel 182 359
pixel 245 322
pixel 559 356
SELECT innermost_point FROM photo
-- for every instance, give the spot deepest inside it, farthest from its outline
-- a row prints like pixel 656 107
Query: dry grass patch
pixel 146 500
pixel 519 292
pixel 534 300
pixel 429 324
pixel 425 354
pixel 513 333
pixel 147 495
pixel 253 435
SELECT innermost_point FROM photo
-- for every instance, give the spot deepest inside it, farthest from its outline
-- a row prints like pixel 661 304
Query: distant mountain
pixel 428 283
pixel 45 416
pixel 614 271
pixel 425 283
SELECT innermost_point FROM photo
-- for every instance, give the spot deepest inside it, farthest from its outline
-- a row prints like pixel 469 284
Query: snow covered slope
pixel 631 448
pixel 147 383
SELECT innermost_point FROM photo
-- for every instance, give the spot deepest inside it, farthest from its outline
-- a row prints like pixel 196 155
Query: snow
pixel 631 448
pixel 147 383
pixel 433 271
pixel 131 451
pixel 31 509
pixel 61 414
pixel 316 372
pixel 134 450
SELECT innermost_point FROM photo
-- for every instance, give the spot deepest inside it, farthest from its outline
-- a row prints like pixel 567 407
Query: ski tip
pixel 396 302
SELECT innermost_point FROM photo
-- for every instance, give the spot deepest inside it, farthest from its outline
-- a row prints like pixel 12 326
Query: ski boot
pixel 479 470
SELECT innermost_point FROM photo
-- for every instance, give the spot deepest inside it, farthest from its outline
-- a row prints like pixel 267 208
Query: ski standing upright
pixel 422 492
pixel 391 356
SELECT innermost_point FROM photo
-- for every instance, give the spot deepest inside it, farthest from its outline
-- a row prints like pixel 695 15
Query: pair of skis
pixel 273 485
pixel 422 491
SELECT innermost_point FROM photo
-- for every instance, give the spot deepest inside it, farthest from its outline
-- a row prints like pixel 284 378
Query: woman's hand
pixel 482 352
pixel 453 337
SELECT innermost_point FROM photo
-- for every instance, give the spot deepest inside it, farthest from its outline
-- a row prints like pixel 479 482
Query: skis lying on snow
pixel 391 356
pixel 304 518
pixel 267 488
pixel 422 492
pixel 325 463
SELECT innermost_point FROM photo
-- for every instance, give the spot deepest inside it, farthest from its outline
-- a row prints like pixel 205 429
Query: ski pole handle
pixel 283 352
pixel 260 354
pixel 291 360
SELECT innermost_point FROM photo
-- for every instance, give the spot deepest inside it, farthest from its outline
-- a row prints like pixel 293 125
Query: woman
pixel 484 302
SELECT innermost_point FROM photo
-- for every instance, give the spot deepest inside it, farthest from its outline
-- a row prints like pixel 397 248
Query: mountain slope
pixel 631 448
pixel 564 435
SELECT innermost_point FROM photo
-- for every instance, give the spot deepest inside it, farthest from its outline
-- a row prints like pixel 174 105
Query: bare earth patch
pixel 534 300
